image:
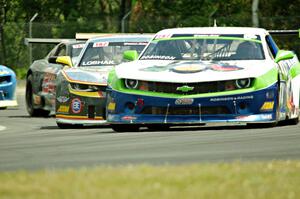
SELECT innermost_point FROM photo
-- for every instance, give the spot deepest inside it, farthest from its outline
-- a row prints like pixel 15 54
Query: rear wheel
pixel 29 101
pixel 125 127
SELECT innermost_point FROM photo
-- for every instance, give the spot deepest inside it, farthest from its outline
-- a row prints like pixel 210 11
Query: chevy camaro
pixel 205 75
pixel 8 84
pixel 81 90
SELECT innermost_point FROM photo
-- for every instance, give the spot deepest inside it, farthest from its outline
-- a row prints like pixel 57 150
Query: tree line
pixel 64 18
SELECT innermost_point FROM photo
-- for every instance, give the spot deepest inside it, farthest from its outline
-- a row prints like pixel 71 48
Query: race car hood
pixel 87 75
pixel 192 71
pixel 5 71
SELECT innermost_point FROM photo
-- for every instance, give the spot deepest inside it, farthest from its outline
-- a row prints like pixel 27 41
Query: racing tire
pixel 125 127
pixel 29 101
pixel 3 108
pixel 293 121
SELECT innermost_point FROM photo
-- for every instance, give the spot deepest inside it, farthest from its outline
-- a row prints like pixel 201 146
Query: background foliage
pixel 63 18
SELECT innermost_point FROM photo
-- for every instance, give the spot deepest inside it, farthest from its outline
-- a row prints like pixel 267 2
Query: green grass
pixel 277 179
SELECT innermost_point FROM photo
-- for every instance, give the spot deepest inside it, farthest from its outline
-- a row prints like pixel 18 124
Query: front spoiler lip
pixel 254 114
pixel 180 119
pixel 83 122
pixel 8 103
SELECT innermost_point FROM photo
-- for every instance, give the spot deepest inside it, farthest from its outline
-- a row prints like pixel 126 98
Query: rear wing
pixel 44 41
pixel 86 36
pixel 78 37
pixel 285 32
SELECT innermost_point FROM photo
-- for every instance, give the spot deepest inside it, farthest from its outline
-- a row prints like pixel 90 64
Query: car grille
pixel 197 88
pixel 4 79
pixel 205 110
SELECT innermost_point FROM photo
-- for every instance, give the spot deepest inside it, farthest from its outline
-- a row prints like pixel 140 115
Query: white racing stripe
pixel 2 128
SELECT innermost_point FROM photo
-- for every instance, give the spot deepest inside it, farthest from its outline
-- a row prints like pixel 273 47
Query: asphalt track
pixel 37 143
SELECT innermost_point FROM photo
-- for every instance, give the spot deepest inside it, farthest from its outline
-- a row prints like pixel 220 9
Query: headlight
pixel 243 83
pixel 131 83
pixel 84 87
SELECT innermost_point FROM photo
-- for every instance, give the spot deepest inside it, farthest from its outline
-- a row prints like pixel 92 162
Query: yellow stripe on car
pixel 78 117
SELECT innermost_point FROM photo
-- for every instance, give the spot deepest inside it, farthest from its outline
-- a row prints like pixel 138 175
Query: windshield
pixel 108 53
pixel 76 49
pixel 205 47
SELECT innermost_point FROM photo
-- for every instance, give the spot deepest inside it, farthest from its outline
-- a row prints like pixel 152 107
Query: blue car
pixel 8 83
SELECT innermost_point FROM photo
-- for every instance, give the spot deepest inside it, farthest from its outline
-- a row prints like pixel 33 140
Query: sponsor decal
pixel 100 44
pixel 98 62
pixel 163 36
pixel 162 57
pixel 188 68
pixel 224 67
pixel 76 105
pixel 191 66
pixel 267 106
pixel 48 85
pixel 111 106
pixel 128 118
pixel 62 99
pixel 76 46
pixel 221 99
pixel 184 101
pixel 63 109
pixel 266 116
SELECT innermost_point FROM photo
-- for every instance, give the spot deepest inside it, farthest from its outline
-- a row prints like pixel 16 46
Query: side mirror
pixel 130 55
pixel 283 55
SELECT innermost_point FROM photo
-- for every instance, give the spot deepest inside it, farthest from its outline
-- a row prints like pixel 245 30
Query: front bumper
pixel 8 94
pixel 81 110
pixel 255 106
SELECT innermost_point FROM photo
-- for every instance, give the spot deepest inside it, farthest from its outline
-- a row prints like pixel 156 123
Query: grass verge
pixel 276 179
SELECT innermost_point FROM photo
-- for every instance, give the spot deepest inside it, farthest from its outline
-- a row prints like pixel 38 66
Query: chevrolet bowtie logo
pixel 185 88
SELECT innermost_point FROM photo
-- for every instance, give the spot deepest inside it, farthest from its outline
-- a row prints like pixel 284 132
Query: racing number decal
pixel 76 105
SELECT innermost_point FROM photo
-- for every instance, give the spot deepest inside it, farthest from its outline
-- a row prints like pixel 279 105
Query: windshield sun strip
pixel 206 37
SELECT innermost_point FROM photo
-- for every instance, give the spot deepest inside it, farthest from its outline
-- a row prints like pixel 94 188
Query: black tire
pixel 293 121
pixel 29 101
pixel 125 127
pixel 3 108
